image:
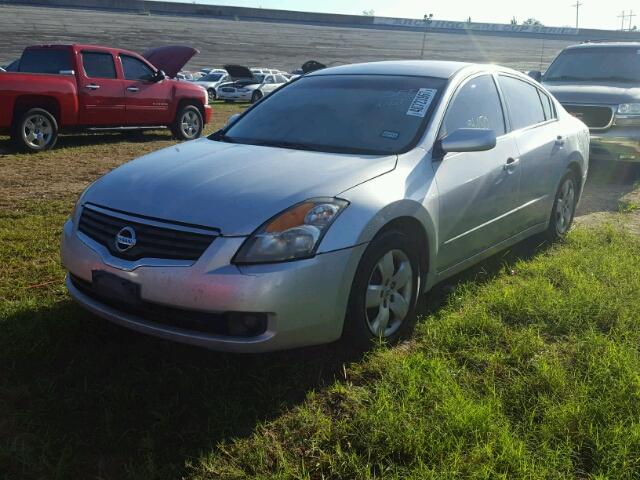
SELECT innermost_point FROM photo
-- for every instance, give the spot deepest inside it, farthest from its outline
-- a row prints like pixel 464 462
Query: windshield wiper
pixel 614 78
pixel 561 78
pixel 283 144
pixel 220 136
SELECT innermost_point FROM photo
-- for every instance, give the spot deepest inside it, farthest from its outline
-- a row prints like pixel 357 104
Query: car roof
pixel 426 68
pixel 604 44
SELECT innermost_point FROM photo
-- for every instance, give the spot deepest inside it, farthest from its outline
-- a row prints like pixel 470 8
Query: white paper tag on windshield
pixel 421 102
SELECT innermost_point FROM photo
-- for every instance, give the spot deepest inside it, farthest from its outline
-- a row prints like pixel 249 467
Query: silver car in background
pixel 326 209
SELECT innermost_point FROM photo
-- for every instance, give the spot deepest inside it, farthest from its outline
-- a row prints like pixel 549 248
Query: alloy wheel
pixel 37 131
pixel 389 292
pixel 190 124
pixel 565 206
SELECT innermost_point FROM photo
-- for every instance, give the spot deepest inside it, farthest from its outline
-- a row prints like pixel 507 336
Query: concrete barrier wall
pixel 336 20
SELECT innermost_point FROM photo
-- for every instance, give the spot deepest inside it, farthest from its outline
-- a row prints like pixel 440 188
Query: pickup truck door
pixel 101 92
pixel 148 102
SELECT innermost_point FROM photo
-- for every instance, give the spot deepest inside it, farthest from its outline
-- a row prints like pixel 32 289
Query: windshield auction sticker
pixel 421 102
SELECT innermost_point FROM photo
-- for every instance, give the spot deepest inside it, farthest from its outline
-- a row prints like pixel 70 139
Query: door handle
pixel 92 86
pixel 133 89
pixel 511 164
pixel 559 140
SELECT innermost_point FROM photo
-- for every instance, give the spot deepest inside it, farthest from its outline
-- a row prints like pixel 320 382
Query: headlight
pixel 629 109
pixel 293 234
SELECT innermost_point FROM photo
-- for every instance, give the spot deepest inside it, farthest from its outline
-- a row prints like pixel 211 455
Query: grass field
pixel 527 368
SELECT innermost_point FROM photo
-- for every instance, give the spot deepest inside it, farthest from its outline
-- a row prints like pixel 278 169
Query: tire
pixel 256 96
pixel 36 131
pixel 377 294
pixel 564 207
pixel 188 124
pixel 212 95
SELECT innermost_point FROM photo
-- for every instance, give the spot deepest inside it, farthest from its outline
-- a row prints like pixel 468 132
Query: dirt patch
pixel 612 194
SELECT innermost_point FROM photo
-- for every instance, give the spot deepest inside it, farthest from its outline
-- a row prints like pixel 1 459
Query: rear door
pixel 540 143
pixel 269 84
pixel 148 102
pixel 101 92
pixel 478 191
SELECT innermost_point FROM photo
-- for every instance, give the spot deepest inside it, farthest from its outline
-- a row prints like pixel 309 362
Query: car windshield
pixel 212 77
pixel 613 64
pixel 366 114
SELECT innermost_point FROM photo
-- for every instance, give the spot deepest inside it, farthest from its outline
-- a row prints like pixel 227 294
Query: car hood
pixel 171 58
pixel 232 187
pixel 610 94
pixel 239 72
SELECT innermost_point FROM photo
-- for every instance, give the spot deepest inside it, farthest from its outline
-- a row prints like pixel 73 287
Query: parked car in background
pixel 184 76
pixel 211 81
pixel 247 86
pixel 327 208
pixel 598 83
pixel 86 87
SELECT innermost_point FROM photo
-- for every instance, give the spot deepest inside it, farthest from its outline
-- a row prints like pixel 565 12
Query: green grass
pixel 533 372
pixel 532 375
pixel 628 206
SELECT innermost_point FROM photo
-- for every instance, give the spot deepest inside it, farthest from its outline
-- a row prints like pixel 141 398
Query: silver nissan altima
pixel 325 209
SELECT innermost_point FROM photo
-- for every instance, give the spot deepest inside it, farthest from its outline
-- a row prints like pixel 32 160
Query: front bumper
pixel 616 144
pixel 235 96
pixel 305 301
pixel 208 114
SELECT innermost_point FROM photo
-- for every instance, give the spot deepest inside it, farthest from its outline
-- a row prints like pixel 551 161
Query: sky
pixel 556 13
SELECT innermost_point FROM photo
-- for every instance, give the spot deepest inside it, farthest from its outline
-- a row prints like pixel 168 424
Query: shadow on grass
pixel 82 398
pixel 93 139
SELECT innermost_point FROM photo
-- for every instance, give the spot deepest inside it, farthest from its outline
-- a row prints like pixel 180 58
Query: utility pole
pixel 577 5
pixel 623 16
pixel 427 21
pixel 631 15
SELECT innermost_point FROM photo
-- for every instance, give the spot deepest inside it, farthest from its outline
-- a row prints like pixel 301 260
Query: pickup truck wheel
pixel 188 124
pixel 36 131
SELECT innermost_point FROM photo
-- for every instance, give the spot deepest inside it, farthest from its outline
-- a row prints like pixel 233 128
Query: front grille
pixel 594 116
pixel 189 320
pixel 151 241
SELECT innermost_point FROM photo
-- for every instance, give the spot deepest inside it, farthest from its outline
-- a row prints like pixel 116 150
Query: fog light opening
pixel 246 324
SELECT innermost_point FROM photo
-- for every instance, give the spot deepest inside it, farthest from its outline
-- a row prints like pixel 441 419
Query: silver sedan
pixel 325 210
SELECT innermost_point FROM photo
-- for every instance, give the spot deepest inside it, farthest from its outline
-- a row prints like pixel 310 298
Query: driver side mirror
pixel 159 76
pixel 469 140
pixel 232 119
pixel 535 74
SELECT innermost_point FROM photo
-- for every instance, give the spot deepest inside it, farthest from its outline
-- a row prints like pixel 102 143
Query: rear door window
pixel 98 65
pixel 547 106
pixel 46 60
pixel 523 102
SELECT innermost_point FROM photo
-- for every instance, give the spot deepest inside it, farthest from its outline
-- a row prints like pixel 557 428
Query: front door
pixel 148 102
pixel 478 191
pixel 101 92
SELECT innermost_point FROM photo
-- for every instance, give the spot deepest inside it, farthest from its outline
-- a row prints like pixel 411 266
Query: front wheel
pixel 36 131
pixel 564 207
pixel 211 93
pixel 188 124
pixel 257 95
pixel 382 303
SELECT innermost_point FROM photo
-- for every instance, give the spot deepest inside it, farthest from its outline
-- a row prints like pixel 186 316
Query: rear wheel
pixel 257 95
pixel 212 94
pixel 382 303
pixel 564 207
pixel 36 131
pixel 188 124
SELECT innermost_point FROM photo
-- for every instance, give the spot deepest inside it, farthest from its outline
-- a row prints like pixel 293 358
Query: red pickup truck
pixel 85 87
